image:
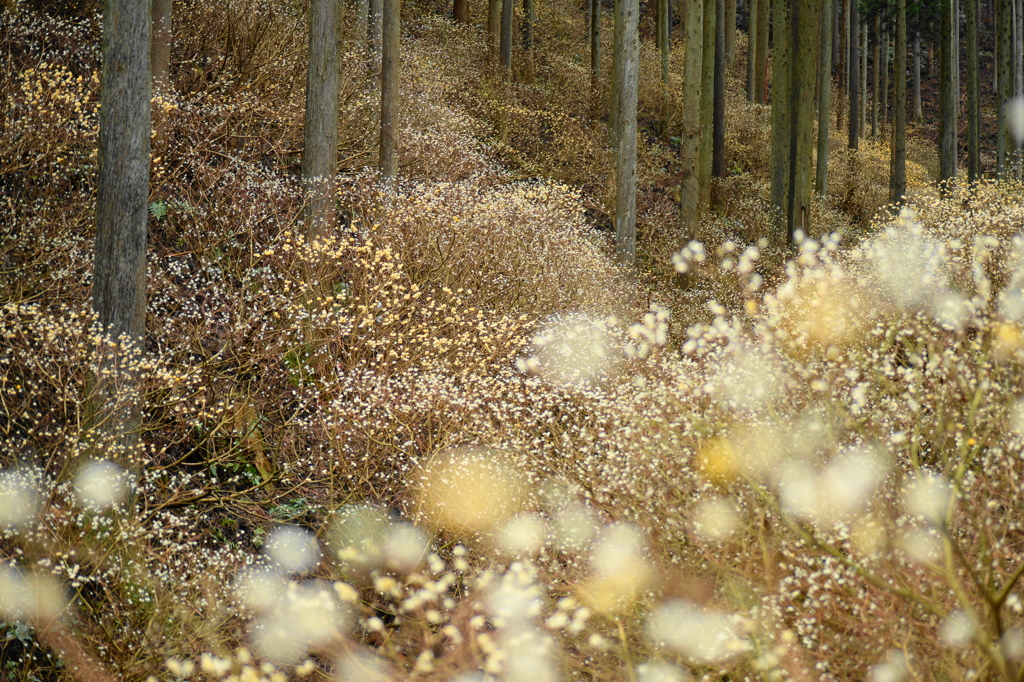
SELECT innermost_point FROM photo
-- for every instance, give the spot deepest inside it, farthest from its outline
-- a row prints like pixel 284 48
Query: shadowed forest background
pixel 564 350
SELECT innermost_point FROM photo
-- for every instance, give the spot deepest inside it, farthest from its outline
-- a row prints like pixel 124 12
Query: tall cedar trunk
pixel 1004 36
pixel 844 61
pixel 505 54
pixel 595 43
pixel 389 89
pixel 625 152
pixel 761 61
pixel 375 18
pixel 689 186
pixel 718 122
pixel 707 116
pixel 493 27
pixel 730 33
pixel 460 11
pixel 898 149
pixel 836 7
pixel 876 60
pixel 782 113
pixel 863 78
pixel 613 103
pixel 824 96
pixel 884 114
pixel 122 222
pixel 160 56
pixel 854 68
pixel 751 48
pixel 947 96
pixel 973 111
pixel 528 21
pixel 918 109
pixel 320 137
pixel 803 56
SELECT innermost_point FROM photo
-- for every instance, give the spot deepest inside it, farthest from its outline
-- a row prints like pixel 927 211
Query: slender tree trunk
pixel 885 73
pixel 824 96
pixel 863 79
pixel 876 60
pixel 689 187
pixel 761 57
pixel 708 90
pixel 729 15
pixel 595 44
pixel 161 51
pixel 956 52
pixel 854 66
pixel 1004 30
pixel 836 11
pixel 918 109
pixel 898 157
pixel 390 89
pixel 781 115
pixel 114 408
pixel 528 20
pixel 666 46
pixel 505 55
pixel 805 34
pixel 375 17
pixel 1017 68
pixel 718 124
pixel 751 49
pixel 613 104
pixel 494 8
pixel 844 61
pixel 460 11
pixel 625 165
pixel 973 110
pixel 947 97
pixel 320 137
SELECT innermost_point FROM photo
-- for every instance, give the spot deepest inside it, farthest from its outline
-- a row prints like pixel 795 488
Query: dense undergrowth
pixel 452 439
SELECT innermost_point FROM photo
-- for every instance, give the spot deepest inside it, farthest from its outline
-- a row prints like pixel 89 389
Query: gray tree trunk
pixel 973 102
pixel 853 141
pixel 729 13
pixel 505 53
pixel 595 43
pixel 824 97
pixel 390 95
pixel 528 21
pixel 718 113
pixel 898 158
pixel 947 97
pixel 918 110
pixel 160 56
pixel 689 186
pixel 863 79
pixel 782 113
pixel 320 138
pixel 708 90
pixel 494 27
pixel 114 408
pixel 876 60
pixel 886 45
pixel 625 153
pixel 761 65
pixel 1004 38
pixel 751 48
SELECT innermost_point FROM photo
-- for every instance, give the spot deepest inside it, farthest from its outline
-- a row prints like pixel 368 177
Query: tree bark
pixel 1004 31
pixel 460 11
pixel 853 141
pixel 718 124
pixel 884 101
pixel 729 15
pixel 781 115
pixel 320 137
pixel 824 96
pixel 947 97
pixel 876 59
pixel 761 66
pixel 973 110
pixel 751 48
pixel 803 56
pixel 898 150
pixel 689 186
pixel 595 43
pixel 666 46
pixel 505 54
pixel 625 153
pixel 528 20
pixel 918 110
pixel 122 224
pixel 844 61
pixel 390 95
pixel 863 78
pixel 708 95
pixel 160 56
pixel 493 27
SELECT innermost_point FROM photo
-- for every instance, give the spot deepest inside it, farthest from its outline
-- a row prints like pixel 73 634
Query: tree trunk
pixel 1004 30
pixel 844 61
pixel 374 19
pixel 666 46
pixel 160 59
pixel 761 61
pixel 389 89
pixel 947 97
pixel 876 60
pixel 707 117
pixel 836 7
pixel 824 96
pixel 751 48
pixel 884 101
pixel 803 57
pixel 613 104
pixel 505 54
pixel 493 27
pixel 863 79
pixel 625 152
pixel 782 113
pixel 320 137
pixel 595 44
pixel 973 110
pixel 898 150
pixel 460 11
pixel 528 21
pixel 718 123
pixel 729 14
pixel 113 404
pixel 918 110
pixel 854 67
pixel 689 185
